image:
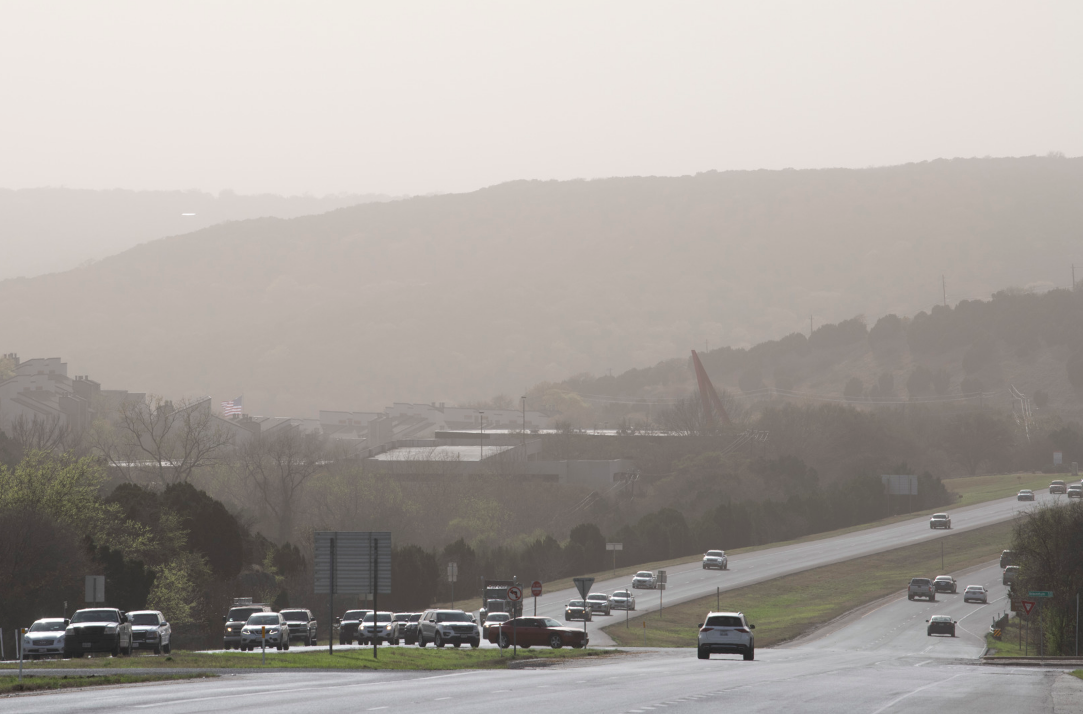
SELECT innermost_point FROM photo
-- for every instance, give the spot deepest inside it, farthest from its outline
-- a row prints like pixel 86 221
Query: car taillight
pixel 743 629
pixel 705 629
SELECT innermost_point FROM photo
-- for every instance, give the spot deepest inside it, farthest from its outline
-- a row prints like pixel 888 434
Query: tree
pixel 277 466
pixel 40 434
pixel 592 544
pixel 1075 370
pixel 920 381
pixel 177 588
pixel 212 530
pixel 161 442
pixel 414 579
pixel 976 438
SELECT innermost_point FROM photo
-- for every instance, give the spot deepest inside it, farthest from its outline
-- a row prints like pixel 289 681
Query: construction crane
pixel 713 411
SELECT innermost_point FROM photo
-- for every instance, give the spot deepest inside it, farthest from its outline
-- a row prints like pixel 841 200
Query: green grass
pixel 786 607
pixel 11 684
pixel 1013 640
pixel 1078 673
pixel 407 658
pixel 978 489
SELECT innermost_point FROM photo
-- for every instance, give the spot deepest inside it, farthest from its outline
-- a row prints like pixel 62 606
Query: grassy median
pixel 399 658
pixel 12 685
pixel 787 607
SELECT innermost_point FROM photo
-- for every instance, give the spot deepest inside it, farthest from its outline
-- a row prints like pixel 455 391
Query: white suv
pixel 716 559
pixel 726 632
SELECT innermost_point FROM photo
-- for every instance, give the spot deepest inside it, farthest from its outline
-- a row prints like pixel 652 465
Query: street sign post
pixel 1028 605
pixel 350 562
pixel 95 588
pixel 515 594
pixel 614 547
pixel 536 590
pixel 663 578
pixel 583 585
pixel 1040 593
pixel 452 576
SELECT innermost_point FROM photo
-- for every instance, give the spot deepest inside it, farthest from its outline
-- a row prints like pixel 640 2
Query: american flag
pixel 232 408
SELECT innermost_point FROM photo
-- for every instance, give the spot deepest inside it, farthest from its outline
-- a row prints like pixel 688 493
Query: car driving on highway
pixel 98 630
pixel 347 626
pixel 150 631
pixel 716 559
pixel 940 625
pixel 1075 490
pixel 447 627
pixel 1057 486
pixel 726 633
pixel 268 629
pixel 577 610
pixel 1008 576
pixel 45 637
pixel 644 579
pixel 945 584
pixel 976 593
pixel 302 624
pixel 623 600
pixel 374 627
pixel 539 631
pixel 1005 558
pixel 599 603
pixel 1025 495
pixel 940 520
pixel 238 615
pixel 921 587
pixel 492 623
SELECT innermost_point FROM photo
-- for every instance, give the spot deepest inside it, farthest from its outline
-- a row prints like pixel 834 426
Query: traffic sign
pixel 535 588
pixel 515 593
pixel 996 634
pixel 1028 605
pixel 614 546
pixel 452 572
pixel 583 585
pixel 1040 593
pixel 663 578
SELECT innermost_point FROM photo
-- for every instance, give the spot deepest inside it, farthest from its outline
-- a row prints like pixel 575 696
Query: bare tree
pixel 40 433
pixel 160 441
pixel 277 466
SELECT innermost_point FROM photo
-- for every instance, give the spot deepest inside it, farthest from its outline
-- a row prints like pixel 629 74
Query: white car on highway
pixel 45 637
pixel 623 600
pixel 268 629
pixel 644 579
pixel 726 633
pixel 716 559
pixel 977 593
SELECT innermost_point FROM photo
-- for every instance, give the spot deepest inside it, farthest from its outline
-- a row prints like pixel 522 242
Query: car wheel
pixel 458 645
pixel 157 649
pixel 555 642
pixel 928 633
pixel 286 646
pixel 475 643
pixel 420 640
pixel 116 650
pixel 751 654
pixel 131 648
pixel 167 647
pixel 909 596
pixel 703 653
pixel 438 640
pixel 504 643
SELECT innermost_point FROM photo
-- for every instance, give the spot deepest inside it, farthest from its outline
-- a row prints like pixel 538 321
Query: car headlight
pixel 111 628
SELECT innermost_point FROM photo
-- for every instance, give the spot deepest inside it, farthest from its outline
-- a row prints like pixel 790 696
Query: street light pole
pixel 481 440
pixel 523 399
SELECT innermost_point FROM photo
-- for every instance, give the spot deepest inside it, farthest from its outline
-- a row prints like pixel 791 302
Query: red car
pixel 540 631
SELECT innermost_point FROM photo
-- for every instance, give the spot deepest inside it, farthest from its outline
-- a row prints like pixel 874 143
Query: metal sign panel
pixel 95 588
pixel 583 585
pixel 536 588
pixel 353 570
pixel 515 593
pixel 900 484
pixel 1040 593
pixel 1028 605
pixel 614 546
pixel 663 578
pixel 452 572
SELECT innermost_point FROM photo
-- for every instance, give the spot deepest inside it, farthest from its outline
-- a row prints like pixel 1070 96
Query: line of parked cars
pixel 98 629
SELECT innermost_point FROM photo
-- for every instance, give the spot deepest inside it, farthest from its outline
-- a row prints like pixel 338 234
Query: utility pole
pixel 810 325
pixel 524 427
pixel 1073 277
pixel 944 289
pixel 481 439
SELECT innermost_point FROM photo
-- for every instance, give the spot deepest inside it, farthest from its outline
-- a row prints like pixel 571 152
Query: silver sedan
pixel 975 593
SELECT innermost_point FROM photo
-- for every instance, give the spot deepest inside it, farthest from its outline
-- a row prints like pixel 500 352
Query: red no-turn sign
pixel 515 593
pixel 535 588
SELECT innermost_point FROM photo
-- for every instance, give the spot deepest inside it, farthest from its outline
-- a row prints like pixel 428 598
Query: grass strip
pixel 969 491
pixel 786 607
pixel 11 685
pixel 397 658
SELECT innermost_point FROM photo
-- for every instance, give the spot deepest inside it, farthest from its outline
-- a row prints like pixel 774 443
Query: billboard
pixel 360 558
pixel 900 484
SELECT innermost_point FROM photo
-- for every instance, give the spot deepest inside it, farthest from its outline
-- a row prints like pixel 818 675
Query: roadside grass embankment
pixel 396 658
pixel 11 684
pixel 969 490
pixel 1016 640
pixel 787 607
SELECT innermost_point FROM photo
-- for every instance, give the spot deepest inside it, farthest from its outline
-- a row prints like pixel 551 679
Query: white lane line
pixel 895 701
pixel 921 663
pixel 372 709
pixel 440 699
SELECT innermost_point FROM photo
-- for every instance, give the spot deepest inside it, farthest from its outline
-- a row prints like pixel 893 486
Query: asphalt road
pixel 691 581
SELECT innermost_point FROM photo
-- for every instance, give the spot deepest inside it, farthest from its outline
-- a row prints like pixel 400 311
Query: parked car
pixel 374 627
pixel 302 624
pixel 599 603
pixel 448 627
pixel 536 631
pixel 622 600
pixel 716 559
pixel 644 579
pixel 1005 558
pixel 396 629
pixel 945 584
pixel 940 625
pixel 150 631
pixel 1058 486
pixel 940 520
pixel 238 615
pixel 921 587
pixel 1075 491
pixel 726 633
pixel 45 637
pixel 104 629
pixel 976 593
pixel 1008 576
pixel 348 624
pixel 577 610
pixel 1025 495
pixel 265 629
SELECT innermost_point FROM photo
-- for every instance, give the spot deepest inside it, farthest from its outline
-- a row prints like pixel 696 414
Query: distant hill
pixel 462 296
pixel 49 230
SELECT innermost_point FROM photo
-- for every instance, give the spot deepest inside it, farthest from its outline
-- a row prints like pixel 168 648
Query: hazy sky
pixel 412 97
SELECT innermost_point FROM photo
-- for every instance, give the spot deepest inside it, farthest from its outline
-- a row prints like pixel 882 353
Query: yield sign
pixel 1028 605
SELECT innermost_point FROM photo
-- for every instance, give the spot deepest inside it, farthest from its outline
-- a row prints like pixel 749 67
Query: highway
pixel 691 581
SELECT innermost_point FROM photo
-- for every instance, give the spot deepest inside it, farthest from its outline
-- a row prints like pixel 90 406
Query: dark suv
pixel 302 625
pixel 1005 558
pixel 235 620
pixel 347 627
pixel 104 629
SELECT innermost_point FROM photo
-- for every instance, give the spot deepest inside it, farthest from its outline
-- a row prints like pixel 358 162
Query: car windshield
pixel 47 626
pixel 550 622
pixel 644 574
pixel 383 617
pixel 269 618
pixel 597 596
pixel 499 617
pixel 974 587
pixel 575 603
pixel 354 614
pixel 919 581
pixel 415 618
pixel 295 615
pixel 241 614
pixel 145 619
pixel 95 616
pixel 620 593
pixel 1012 568
pixel 452 617
pixel 943 578
pixel 941 618
pixel 724 621
pixel 715 553
pixel 940 515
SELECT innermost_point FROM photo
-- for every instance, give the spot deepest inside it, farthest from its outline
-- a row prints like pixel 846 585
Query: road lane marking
pixel 895 701
pixel 921 663
pixel 372 709
pixel 440 699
